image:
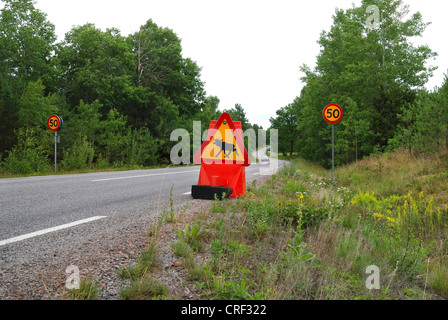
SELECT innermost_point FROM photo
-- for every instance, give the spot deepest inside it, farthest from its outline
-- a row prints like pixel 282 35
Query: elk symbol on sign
pixel 226 147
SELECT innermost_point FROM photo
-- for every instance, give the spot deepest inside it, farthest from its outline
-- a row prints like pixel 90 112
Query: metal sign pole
pixel 55 150
pixel 332 114
pixel 332 153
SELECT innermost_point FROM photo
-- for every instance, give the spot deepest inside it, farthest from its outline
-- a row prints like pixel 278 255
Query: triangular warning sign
pixel 224 144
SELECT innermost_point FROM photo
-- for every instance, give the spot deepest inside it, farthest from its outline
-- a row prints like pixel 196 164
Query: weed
pixel 182 249
pixel 169 215
pixel 219 204
pixel 88 290
pixel 145 263
pixel 192 235
pixel 143 288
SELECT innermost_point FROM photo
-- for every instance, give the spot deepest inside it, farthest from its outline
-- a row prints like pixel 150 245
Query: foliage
pixel 424 124
pixel 192 235
pixel 305 210
pixel 28 156
pixel 419 216
pixel 286 123
pixel 79 156
pixel 26 45
pixel 123 94
pixel 88 290
pixel 144 264
pixel 372 73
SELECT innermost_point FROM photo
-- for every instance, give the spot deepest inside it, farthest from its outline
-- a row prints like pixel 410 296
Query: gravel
pixel 43 276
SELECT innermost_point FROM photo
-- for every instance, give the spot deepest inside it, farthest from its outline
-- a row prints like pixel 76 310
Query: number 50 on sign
pixel 54 123
pixel 332 113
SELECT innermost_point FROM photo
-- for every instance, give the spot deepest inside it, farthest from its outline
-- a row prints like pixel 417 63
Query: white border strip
pixel 41 232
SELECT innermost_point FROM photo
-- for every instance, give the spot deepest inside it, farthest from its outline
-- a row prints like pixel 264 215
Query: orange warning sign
pixel 224 144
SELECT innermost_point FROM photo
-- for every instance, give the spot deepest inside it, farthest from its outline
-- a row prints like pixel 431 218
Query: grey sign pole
pixel 55 150
pixel 332 153
pixel 332 114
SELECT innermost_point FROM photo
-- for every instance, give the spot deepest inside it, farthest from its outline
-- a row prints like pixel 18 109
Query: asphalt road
pixel 33 208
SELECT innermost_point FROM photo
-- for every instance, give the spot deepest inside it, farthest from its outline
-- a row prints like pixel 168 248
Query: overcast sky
pixel 250 51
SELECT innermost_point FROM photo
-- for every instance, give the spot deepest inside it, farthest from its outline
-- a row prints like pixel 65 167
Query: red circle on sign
pixel 332 113
pixel 54 123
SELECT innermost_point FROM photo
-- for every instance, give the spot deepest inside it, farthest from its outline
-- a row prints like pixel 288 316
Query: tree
pixel 374 72
pixel 431 120
pixel 161 68
pixel 157 55
pixel 94 65
pixel 26 43
pixel 406 130
pixel 287 126
pixel 237 113
pixel 34 107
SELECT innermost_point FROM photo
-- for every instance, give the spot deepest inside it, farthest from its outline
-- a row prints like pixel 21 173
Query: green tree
pixel 112 136
pixel 26 41
pixel 378 70
pixel 94 65
pixel 287 125
pixel 140 148
pixel 406 134
pixel 34 107
pixel 431 121
pixel 237 113
pixel 26 44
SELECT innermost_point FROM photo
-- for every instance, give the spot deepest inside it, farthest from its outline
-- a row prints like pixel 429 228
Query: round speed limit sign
pixel 332 113
pixel 54 123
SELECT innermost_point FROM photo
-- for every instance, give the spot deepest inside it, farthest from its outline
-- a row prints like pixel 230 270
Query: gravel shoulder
pixel 35 269
pixel 118 241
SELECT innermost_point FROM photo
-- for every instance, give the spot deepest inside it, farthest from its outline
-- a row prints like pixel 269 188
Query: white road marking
pixel 189 192
pixel 145 175
pixel 41 232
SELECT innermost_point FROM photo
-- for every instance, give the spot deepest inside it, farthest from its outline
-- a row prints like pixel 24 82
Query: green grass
pixel 144 264
pixel 298 236
pixel 88 290
pixel 143 289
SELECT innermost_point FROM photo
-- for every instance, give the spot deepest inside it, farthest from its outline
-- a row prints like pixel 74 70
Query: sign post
pixel 332 114
pixel 54 123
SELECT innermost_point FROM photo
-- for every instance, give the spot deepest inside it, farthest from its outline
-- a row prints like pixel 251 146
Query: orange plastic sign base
pixel 224 175
pixel 224 165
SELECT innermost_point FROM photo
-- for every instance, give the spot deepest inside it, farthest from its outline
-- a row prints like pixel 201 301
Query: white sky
pixel 250 51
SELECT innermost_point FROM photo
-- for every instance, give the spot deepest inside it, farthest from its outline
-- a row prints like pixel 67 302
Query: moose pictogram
pixel 226 147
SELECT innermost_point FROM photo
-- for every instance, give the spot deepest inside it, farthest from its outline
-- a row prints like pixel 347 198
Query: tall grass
pixel 298 236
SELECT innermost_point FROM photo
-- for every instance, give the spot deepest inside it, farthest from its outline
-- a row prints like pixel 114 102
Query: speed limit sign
pixel 332 113
pixel 54 123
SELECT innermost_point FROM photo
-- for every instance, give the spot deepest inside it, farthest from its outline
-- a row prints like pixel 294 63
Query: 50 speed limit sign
pixel 54 123
pixel 332 113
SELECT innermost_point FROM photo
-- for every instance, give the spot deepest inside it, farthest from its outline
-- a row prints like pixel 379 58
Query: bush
pixel 140 148
pixel 28 156
pixel 306 210
pixel 79 156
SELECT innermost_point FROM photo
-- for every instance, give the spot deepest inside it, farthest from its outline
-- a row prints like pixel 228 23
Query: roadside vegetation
pixel 297 236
